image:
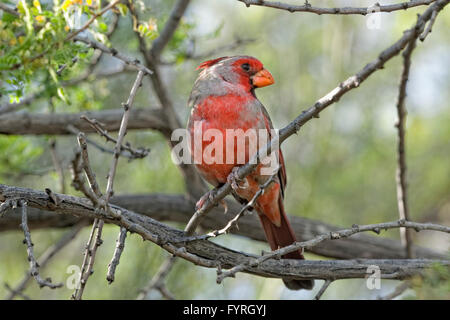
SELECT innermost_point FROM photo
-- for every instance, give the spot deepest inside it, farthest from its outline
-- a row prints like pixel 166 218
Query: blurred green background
pixel 341 167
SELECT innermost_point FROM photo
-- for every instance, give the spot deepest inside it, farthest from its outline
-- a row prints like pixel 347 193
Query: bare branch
pixel 344 10
pixel 99 127
pixel 429 26
pixel 10 9
pixel 208 254
pixel 157 282
pixel 178 208
pixel 88 170
pixel 18 293
pixel 57 123
pixel 46 257
pixel 401 288
pixel 34 266
pixel 122 131
pixel 78 181
pixel 93 243
pixel 100 46
pixel 402 195
pixel 92 19
pixel 332 236
pixel 57 164
pixel 120 245
pixel 322 290
pixel 98 146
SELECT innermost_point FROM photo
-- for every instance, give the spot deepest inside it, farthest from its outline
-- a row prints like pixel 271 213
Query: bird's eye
pixel 245 67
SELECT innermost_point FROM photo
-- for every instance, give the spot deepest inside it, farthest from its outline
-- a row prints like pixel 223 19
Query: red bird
pixel 223 98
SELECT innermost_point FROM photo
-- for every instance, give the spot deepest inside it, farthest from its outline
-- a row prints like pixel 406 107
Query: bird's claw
pixel 210 196
pixel 236 182
pixel 207 196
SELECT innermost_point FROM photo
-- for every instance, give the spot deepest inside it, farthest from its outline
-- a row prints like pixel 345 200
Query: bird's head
pixel 244 71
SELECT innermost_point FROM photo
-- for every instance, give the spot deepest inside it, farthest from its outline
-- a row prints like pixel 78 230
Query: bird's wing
pixel 282 172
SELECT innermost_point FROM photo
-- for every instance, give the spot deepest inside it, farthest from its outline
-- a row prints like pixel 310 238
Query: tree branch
pixel 344 10
pixel 120 245
pixel 402 195
pixel 133 153
pixel 56 123
pixel 46 257
pixel 211 255
pixel 34 266
pixel 100 46
pixel 122 131
pixel 331 236
pixel 178 208
pixel 92 19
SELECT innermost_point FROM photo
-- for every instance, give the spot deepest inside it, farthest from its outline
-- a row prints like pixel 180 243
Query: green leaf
pixel 8 18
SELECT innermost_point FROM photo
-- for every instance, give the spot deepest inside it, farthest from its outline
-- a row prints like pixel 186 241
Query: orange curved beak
pixel 262 78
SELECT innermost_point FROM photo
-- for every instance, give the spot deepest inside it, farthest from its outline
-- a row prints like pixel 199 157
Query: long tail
pixel 282 236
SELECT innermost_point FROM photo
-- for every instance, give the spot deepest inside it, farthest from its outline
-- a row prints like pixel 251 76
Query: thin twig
pixel 87 168
pixel 244 209
pixel 324 287
pixel 93 243
pixel 120 245
pixel 92 19
pixel 34 266
pixel 16 293
pixel 402 195
pixel 134 153
pixel 100 46
pixel 95 195
pixel 122 131
pixel 70 128
pixel 46 257
pixel 58 167
pixel 401 288
pixel 344 10
pixel 429 26
pixel 157 282
pixel 78 181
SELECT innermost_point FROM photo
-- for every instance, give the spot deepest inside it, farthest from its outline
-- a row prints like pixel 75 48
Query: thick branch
pixel 177 208
pixel 211 255
pixel 57 123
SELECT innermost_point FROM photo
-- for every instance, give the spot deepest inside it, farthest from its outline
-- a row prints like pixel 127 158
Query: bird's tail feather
pixel 282 236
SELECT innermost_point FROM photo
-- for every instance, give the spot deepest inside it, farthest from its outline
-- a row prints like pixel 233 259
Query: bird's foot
pixel 210 195
pixel 236 182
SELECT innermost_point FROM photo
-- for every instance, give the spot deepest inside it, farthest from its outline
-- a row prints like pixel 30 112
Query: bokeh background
pixel 341 167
